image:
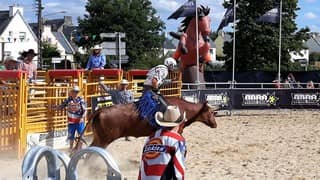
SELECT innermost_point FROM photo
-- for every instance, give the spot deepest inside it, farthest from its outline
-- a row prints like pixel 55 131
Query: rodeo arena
pixel 233 125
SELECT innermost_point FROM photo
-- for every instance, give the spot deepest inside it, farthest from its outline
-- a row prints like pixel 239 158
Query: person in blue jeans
pixel 76 113
pixel 96 59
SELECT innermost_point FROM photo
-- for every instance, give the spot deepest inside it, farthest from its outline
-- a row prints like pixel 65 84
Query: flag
pixel 227 18
pixel 188 9
pixel 271 16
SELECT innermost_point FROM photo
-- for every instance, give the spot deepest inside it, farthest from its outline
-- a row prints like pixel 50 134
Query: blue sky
pixel 308 15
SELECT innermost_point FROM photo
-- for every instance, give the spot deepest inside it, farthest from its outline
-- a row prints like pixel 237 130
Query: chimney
pixel 14 8
pixel 68 20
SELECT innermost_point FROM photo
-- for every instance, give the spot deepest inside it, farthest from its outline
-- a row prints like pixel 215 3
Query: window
pixel 22 36
pixel 10 33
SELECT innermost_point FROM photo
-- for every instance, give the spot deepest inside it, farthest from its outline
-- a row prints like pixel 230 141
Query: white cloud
pixel 164 5
pixel 52 4
pixel 310 15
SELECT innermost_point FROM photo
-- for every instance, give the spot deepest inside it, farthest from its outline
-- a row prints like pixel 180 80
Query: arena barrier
pixel 28 116
pixel 55 160
pixel 12 109
pixel 228 99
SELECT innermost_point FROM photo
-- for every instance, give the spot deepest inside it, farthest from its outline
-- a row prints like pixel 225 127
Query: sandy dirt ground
pixel 247 145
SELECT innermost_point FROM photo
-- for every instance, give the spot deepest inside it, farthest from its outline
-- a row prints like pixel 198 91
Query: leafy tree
pixel 314 57
pixel 257 43
pixel 49 51
pixel 136 18
pixel 81 59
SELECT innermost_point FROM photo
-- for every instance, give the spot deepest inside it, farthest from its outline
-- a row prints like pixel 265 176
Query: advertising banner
pixel 55 139
pixel 305 98
pixel 191 96
pixel 220 98
pixel 101 101
pixel 257 98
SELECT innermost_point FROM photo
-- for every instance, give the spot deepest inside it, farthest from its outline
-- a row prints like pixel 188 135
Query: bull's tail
pixel 91 118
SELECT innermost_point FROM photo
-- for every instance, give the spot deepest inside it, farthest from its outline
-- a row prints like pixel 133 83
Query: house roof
pixel 64 42
pixel 313 44
pixel 4 20
pixel 69 31
pixel 54 23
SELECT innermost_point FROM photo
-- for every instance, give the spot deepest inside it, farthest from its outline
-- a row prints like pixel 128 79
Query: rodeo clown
pixel 151 101
pixel 76 113
pixel 164 152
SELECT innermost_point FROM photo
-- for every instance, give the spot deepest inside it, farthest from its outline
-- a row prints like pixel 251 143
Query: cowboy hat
pixel 170 118
pixel 97 47
pixel 31 51
pixel 124 81
pixel 76 89
pixel 11 58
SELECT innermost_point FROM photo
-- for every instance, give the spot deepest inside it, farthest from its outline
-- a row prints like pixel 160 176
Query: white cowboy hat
pixel 124 81
pixel 97 47
pixel 76 89
pixel 171 118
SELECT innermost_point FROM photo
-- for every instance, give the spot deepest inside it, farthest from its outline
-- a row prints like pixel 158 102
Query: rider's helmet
pixel 170 63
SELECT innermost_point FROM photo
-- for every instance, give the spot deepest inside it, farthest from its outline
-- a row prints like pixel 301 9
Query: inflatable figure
pixel 186 51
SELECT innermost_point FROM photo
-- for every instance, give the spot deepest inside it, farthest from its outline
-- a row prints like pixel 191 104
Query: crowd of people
pixel 290 82
pixel 24 62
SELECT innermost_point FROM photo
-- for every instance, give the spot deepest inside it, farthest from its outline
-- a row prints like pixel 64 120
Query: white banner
pixel 54 139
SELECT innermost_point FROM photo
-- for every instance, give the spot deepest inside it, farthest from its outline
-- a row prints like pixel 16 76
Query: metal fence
pixel 27 110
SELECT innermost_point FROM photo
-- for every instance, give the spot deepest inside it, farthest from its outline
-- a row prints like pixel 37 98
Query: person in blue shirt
pixel 96 60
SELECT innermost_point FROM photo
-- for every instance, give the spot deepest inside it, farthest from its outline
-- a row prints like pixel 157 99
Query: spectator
pixel 291 80
pixel 286 84
pixel 299 84
pixel 277 84
pixel 76 113
pixel 29 66
pixel 10 63
pixel 310 85
pixel 96 60
pixel 120 96
pixel 164 152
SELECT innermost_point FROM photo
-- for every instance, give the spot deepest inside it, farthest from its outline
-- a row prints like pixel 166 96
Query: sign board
pixel 101 101
pixel 113 45
pixel 305 99
pixel 55 139
pixel 56 60
pixel 112 35
pixel 113 52
pixel 123 61
pixel 256 98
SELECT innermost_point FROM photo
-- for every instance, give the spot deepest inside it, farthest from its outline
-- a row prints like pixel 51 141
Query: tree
pixel 314 57
pixel 49 51
pixel 136 18
pixel 257 43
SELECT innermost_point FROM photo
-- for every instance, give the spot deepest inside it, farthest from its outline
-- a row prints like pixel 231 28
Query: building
pixel 15 33
pixel 59 33
pixel 59 40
